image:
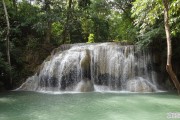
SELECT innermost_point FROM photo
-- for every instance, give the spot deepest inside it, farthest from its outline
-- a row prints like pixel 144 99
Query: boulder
pixel 85 85
pixel 140 85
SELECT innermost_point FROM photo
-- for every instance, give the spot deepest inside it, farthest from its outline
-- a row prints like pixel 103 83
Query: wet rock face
pixel 86 84
pixel 102 79
pixel 69 80
pixel 108 80
pixel 85 64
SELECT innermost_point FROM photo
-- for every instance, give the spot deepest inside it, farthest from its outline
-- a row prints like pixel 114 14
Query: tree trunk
pixel 66 31
pixel 49 22
pixel 48 32
pixel 7 42
pixel 169 48
pixel 14 4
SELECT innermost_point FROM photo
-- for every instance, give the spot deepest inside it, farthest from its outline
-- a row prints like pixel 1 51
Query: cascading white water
pixel 95 67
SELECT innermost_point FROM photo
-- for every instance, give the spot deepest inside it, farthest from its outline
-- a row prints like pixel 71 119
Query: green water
pixel 87 106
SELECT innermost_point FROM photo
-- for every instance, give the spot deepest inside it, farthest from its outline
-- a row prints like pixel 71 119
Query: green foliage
pixel 152 34
pixel 146 13
pixel 99 14
pixel 101 29
pixel 84 3
pixel 3 64
pixel 87 27
pixel 91 38
pixel 122 28
pixel 148 16
pixel 175 17
pixel 57 29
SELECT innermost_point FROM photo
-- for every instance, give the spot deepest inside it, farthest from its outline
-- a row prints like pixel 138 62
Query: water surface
pixel 87 106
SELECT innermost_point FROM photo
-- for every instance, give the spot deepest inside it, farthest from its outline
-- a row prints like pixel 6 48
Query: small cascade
pixel 95 67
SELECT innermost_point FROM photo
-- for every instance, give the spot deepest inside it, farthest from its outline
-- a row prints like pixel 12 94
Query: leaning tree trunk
pixel 7 41
pixel 169 48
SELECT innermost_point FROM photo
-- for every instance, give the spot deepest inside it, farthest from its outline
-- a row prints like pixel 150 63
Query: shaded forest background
pixel 39 26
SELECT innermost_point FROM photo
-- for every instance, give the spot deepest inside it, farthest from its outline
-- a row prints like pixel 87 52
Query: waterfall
pixel 95 67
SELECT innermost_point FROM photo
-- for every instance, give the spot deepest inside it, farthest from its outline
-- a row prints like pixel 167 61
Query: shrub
pixel 91 38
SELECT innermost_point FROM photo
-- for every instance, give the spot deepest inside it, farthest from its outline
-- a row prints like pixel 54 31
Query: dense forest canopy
pixel 39 26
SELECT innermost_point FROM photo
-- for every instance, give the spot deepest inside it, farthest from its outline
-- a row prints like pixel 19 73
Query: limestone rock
pixel 85 86
pixel 85 64
pixel 140 85
pixel 31 84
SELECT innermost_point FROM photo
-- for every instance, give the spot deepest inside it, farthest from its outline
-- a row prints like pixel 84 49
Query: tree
pixel 7 40
pixel 83 4
pixel 66 25
pixel 122 6
pixel 91 38
pixel 49 22
pixel 99 14
pixel 149 13
pixel 122 28
pixel 169 47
